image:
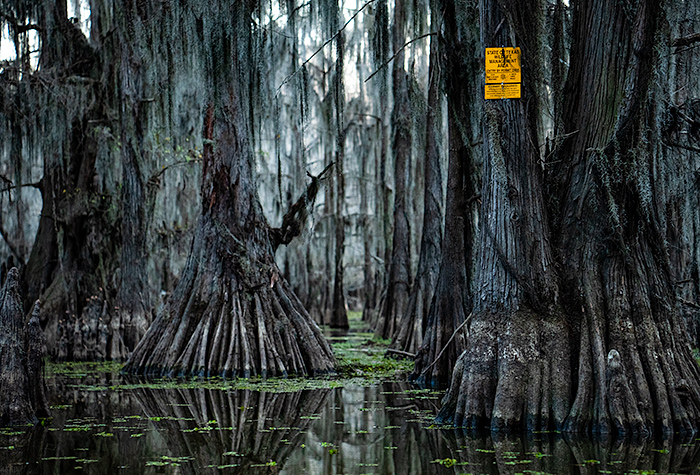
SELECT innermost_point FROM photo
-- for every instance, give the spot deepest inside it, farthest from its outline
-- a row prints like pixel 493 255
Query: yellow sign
pixel 502 91
pixel 502 65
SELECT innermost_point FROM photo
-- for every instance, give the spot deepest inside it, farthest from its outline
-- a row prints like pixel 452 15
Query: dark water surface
pixel 103 423
pixel 106 423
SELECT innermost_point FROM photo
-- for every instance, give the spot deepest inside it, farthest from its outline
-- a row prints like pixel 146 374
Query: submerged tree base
pixel 514 373
pixel 264 333
pixel 22 396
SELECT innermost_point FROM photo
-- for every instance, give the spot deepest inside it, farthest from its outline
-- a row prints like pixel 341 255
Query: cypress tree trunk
pixel 133 314
pixel 409 336
pixel 231 314
pixel 22 394
pixel 395 300
pixel 631 369
pixel 636 371
pixel 510 374
pixel 459 46
pixel 76 248
pixel 339 316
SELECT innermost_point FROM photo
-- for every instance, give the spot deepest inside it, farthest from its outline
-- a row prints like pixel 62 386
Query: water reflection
pixel 242 431
pixel 554 453
pixel 102 425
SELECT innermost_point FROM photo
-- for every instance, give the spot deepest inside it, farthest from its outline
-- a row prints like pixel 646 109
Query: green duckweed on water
pixel 364 419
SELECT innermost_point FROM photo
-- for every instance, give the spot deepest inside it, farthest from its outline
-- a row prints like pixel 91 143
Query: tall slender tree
pixel 409 335
pixel 339 316
pixel 395 300
pixel 459 50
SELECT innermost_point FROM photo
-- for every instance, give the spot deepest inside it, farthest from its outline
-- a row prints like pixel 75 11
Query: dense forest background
pixel 104 112
pixel 102 146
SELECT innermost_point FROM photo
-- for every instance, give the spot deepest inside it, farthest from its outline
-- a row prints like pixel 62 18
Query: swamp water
pixel 370 421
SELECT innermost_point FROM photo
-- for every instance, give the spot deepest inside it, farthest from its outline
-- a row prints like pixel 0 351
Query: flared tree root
pixel 636 371
pixel 513 374
pixel 214 327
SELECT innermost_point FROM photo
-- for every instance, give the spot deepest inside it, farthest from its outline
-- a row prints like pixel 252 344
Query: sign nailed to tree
pixel 502 73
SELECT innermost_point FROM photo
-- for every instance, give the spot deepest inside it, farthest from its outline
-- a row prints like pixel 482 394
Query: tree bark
pixel 409 336
pixel 231 314
pixel 395 300
pixel 510 375
pixel 76 250
pixel 631 370
pixel 630 322
pixel 339 316
pixel 22 393
pixel 452 302
pixel 133 316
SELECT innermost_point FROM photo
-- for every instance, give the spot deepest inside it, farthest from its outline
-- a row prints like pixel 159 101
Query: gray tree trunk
pixel 395 300
pixel 22 393
pixel 452 302
pixel 231 314
pixel 409 336
pixel 510 374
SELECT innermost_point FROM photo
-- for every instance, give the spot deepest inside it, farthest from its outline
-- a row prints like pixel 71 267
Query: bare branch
pixel 17 26
pixel 293 221
pixel 12 247
pixel 36 185
pixel 154 180
pixel 396 53
pixel 288 78
pixel 465 322
pixel 400 353
pixel 686 40
pixel 688 303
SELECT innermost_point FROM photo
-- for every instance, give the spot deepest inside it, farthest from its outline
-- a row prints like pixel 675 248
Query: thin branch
pixel 688 119
pixel 36 185
pixel 371 116
pixel 466 320
pixel 686 281
pixel 686 40
pixel 17 26
pixel 321 176
pixel 299 8
pixel 288 78
pixel 400 353
pixel 473 198
pixel 690 148
pixel 12 247
pixel 399 50
pixel 155 178
pixel 688 303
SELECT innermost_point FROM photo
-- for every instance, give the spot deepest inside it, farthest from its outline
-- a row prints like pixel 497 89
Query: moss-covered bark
pixel 231 314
